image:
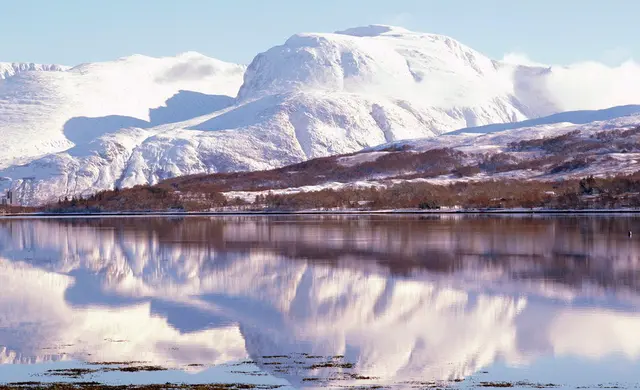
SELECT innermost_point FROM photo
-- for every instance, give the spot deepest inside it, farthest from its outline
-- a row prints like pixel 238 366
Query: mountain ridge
pixel 37 106
pixel 574 117
pixel 317 94
pixel 9 69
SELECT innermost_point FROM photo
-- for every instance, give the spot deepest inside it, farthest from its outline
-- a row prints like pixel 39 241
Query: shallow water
pixel 302 302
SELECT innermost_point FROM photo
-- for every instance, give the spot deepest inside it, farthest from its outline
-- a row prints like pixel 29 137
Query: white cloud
pixel 594 85
pixel 588 85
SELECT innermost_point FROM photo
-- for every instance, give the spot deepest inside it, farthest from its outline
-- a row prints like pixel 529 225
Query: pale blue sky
pixel 75 31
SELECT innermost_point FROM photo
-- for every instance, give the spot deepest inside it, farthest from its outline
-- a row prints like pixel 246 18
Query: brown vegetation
pixel 573 142
pixel 16 209
pixel 621 191
pixel 431 163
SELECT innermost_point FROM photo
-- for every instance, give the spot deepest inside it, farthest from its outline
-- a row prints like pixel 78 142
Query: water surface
pixel 305 302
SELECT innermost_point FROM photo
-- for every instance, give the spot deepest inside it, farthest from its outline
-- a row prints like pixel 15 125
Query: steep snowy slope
pixel 313 96
pixel 412 71
pixel 42 111
pixel 414 84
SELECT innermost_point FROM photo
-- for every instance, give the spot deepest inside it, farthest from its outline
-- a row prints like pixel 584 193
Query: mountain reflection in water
pixel 402 298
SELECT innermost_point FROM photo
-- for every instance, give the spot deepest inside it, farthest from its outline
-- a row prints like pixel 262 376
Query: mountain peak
pixel 191 54
pixel 8 69
pixel 134 57
pixel 376 59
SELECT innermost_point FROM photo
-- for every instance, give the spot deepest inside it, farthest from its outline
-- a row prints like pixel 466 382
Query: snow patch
pixel 360 158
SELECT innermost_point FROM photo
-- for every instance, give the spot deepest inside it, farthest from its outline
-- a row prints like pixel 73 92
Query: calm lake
pixel 323 302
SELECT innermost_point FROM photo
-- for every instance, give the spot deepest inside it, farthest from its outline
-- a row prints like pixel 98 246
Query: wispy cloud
pixel 607 82
pixel 402 19
pixel 613 57
pixel 593 85
pixel 519 58
pixel 617 56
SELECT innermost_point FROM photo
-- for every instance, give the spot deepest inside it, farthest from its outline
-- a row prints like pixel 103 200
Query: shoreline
pixel 322 212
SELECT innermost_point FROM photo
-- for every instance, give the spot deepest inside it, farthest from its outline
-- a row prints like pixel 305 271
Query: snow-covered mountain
pixel 48 108
pixel 313 96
